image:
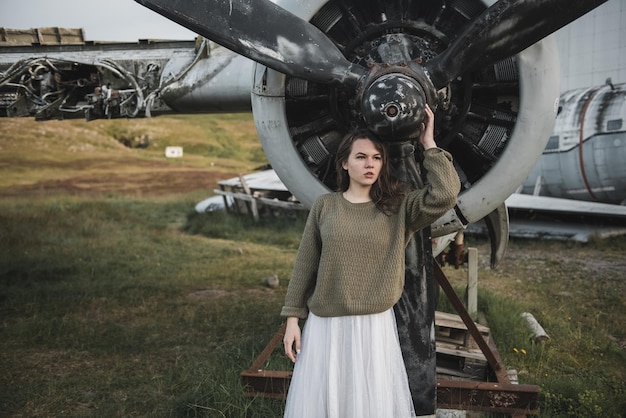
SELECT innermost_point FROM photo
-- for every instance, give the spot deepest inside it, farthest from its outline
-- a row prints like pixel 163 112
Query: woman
pixel 348 274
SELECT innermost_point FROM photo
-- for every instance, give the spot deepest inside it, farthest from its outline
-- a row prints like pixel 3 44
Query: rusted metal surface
pixel 268 383
pixel 501 396
pixel 492 397
pixel 42 36
pixel 505 398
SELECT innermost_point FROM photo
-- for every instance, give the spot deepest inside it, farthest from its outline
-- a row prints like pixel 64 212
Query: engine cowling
pixel 495 121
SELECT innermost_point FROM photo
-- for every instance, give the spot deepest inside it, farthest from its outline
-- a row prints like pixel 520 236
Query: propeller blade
pixel 501 31
pixel 265 33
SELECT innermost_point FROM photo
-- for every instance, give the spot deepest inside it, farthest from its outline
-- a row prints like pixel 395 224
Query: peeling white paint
pixel 262 50
pixel 291 49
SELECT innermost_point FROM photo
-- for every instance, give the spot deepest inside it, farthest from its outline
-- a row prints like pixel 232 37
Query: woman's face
pixel 364 163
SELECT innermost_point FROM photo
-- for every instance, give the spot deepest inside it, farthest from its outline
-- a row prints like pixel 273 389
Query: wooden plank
pixel 445 372
pixel 449 328
pixel 281 204
pixel 270 202
pixel 253 207
pixel 449 320
pixel 472 282
pixel 451 351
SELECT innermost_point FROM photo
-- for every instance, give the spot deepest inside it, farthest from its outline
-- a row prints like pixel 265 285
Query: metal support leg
pixel 415 311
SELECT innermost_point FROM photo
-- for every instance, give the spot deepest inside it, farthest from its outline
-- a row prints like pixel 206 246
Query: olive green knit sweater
pixel 351 257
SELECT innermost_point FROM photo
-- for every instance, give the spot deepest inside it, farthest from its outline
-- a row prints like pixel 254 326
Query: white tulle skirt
pixel 350 367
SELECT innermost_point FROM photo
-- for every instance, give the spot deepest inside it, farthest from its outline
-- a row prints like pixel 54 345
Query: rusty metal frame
pixel 500 396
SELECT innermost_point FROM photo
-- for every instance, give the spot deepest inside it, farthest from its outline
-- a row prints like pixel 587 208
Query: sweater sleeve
pixel 424 206
pixel 305 268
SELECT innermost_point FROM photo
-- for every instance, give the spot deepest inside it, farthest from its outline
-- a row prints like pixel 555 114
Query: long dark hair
pixel 387 192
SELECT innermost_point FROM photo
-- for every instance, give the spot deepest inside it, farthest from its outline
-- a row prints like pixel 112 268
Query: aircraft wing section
pixel 563 219
pixel 522 202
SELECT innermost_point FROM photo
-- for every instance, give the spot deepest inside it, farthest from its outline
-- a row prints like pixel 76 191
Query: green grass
pixel 32 154
pixel 110 310
pixel 581 369
pixel 126 307
pixel 285 233
pixel 203 135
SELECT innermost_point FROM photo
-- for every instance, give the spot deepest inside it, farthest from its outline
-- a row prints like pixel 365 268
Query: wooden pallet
pixel 450 328
pixel 458 355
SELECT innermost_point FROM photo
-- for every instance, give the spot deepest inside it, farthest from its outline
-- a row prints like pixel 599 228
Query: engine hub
pixel 393 106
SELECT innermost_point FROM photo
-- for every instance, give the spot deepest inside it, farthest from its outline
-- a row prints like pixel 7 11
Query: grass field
pixel 118 300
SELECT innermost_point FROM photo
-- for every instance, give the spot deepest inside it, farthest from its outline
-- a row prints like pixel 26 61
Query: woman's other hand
pixel 292 337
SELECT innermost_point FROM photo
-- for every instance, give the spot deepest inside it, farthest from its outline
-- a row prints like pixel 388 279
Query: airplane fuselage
pixel 586 154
